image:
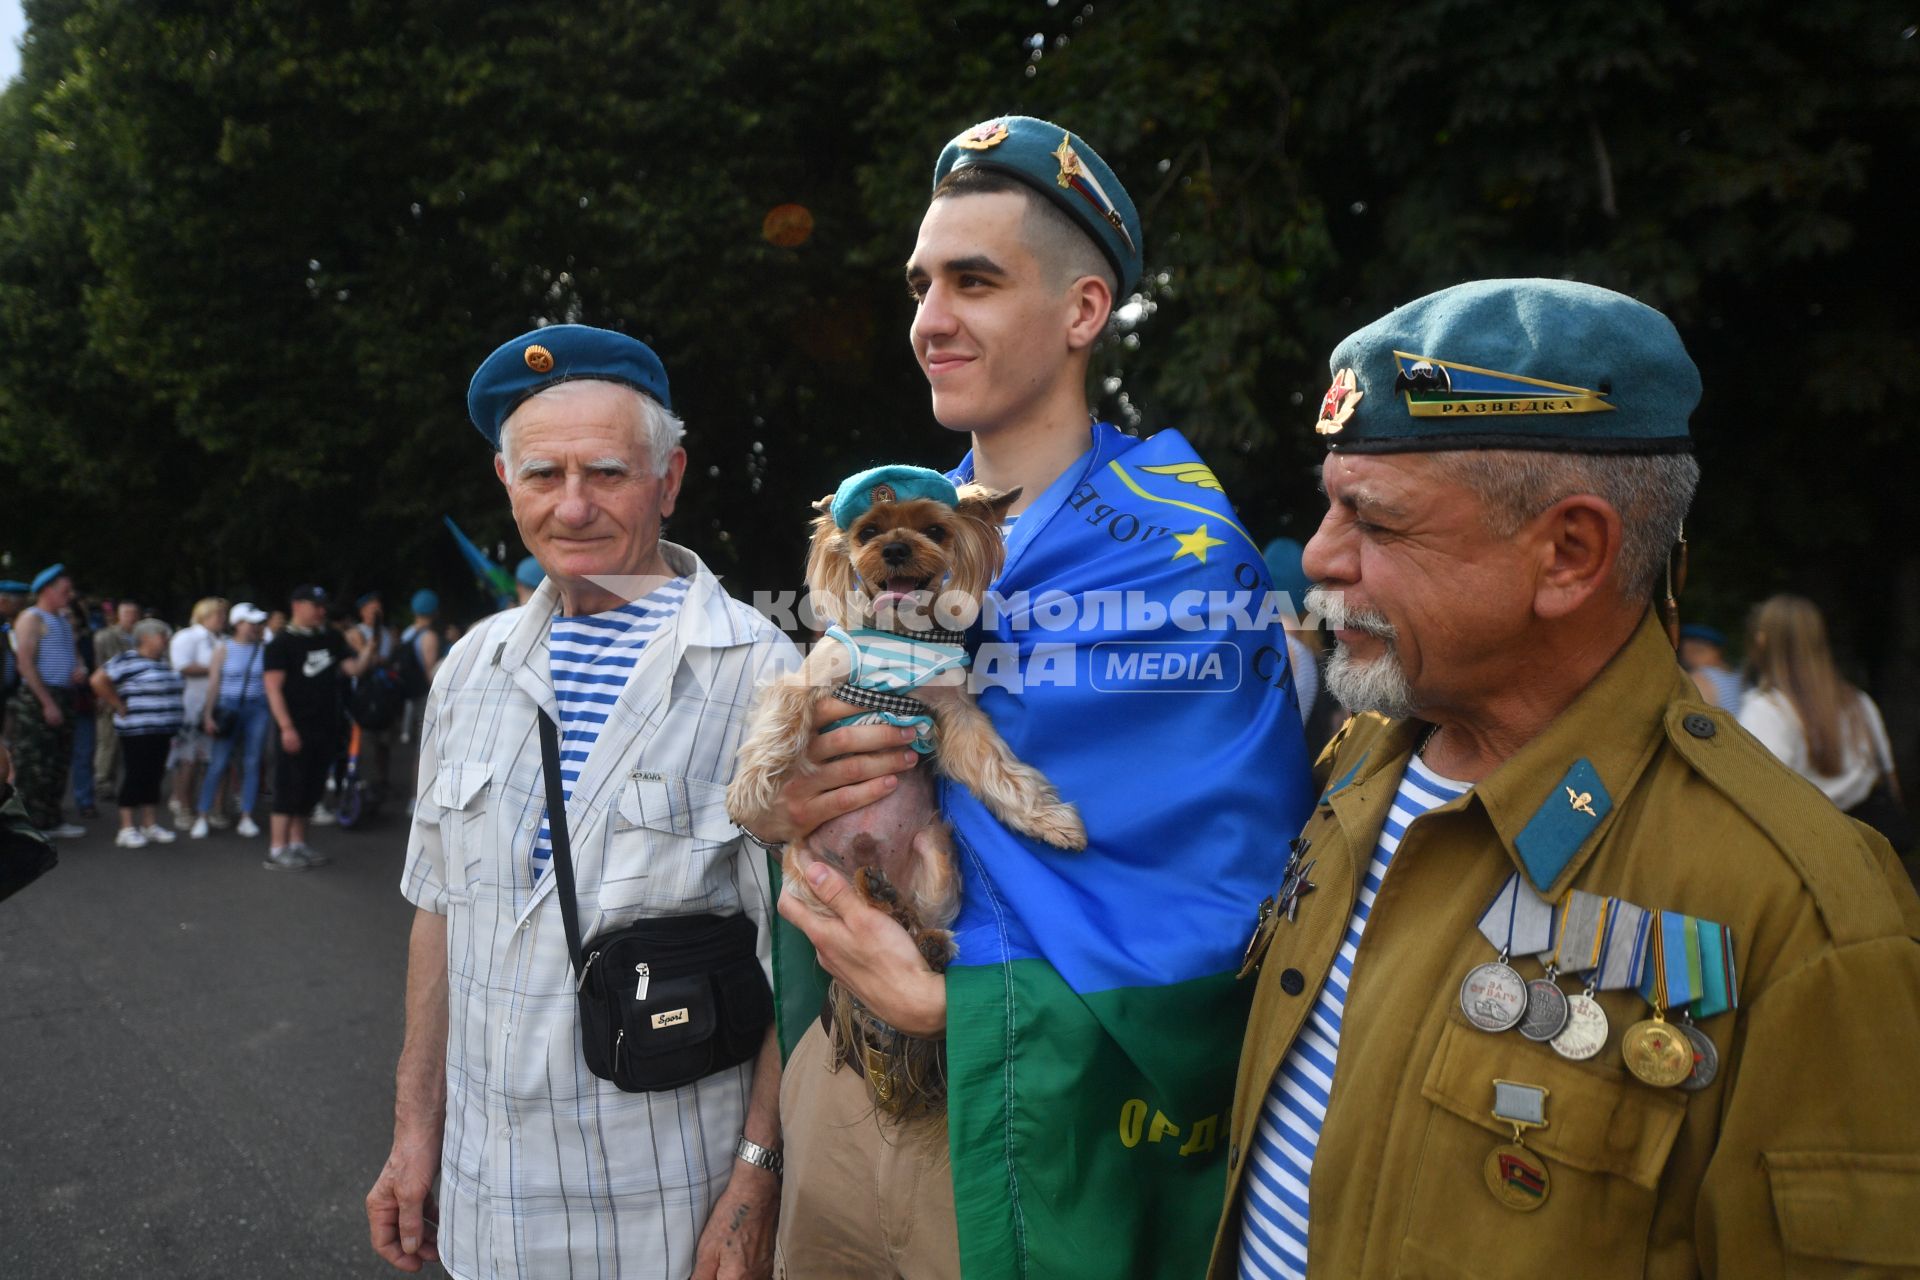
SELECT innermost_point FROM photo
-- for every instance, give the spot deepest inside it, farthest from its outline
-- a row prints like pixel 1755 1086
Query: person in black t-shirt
pixel 306 669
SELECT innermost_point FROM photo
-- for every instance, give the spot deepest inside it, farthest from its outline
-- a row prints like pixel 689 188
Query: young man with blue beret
pixel 647 669
pixel 1577 980
pixel 1090 1018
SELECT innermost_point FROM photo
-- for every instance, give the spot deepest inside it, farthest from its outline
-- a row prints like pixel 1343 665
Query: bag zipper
pixel 646 980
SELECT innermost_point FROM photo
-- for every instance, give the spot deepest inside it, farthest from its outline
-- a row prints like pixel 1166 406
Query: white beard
pixel 1377 685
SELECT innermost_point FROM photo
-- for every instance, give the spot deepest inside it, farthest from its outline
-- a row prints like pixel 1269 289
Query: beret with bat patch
pixel 1551 365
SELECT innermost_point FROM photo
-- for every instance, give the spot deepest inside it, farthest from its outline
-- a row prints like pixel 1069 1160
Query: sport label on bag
pixel 671 1018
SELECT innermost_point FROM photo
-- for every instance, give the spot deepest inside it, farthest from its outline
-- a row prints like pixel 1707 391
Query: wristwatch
pixel 753 1153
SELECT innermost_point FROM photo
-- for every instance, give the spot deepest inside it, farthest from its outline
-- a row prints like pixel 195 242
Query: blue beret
pixel 1701 631
pixel 12 587
pixel 425 601
pixel 857 494
pixel 46 577
pixel 528 573
pixel 1065 170
pixel 559 353
pixel 1513 364
pixel 367 599
pixel 1283 563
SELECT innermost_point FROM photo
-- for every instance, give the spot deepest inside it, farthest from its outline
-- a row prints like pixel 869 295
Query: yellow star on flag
pixel 1195 544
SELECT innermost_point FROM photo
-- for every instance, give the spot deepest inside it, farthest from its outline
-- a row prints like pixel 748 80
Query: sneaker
pixel 199 831
pixel 287 859
pixel 130 838
pixel 322 816
pixel 66 831
pixel 218 821
pixel 314 857
pixel 182 816
pixel 158 834
pixel 247 827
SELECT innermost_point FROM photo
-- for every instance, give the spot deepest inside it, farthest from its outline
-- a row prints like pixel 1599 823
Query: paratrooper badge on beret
pixel 1551 365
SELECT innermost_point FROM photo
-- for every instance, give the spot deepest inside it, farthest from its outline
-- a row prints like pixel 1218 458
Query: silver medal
pixel 1586 1031
pixel 1546 1012
pixel 1493 996
pixel 1706 1060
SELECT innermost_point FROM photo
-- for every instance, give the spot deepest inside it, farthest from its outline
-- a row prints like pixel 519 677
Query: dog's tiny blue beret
pixel 1065 170
pixel 46 578
pixel 529 574
pixel 1552 365
pixel 859 494
pixel 534 361
pixel 12 587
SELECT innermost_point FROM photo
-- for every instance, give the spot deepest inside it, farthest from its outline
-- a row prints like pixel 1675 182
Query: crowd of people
pixel 106 702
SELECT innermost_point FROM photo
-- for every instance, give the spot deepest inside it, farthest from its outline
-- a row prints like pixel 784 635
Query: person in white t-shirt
pixel 1806 712
pixel 191 652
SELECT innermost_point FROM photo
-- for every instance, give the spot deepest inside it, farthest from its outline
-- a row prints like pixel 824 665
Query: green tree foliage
pixel 249 253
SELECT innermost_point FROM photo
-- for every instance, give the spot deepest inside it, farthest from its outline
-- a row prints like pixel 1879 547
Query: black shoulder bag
pixel 663 1002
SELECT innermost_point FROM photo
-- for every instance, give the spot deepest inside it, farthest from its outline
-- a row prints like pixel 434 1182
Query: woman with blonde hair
pixel 1807 713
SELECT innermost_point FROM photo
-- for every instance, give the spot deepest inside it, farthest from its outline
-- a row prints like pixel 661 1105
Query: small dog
pixel 899 563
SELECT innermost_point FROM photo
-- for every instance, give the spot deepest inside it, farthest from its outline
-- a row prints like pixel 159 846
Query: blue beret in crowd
pixel 1065 170
pixel 859 494
pixel 425 602
pixel 46 578
pixel 529 574
pixel 1513 364
pixel 559 353
pixel 1283 563
pixel 12 587
pixel 1704 633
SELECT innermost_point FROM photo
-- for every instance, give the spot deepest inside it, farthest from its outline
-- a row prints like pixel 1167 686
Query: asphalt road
pixel 196 1058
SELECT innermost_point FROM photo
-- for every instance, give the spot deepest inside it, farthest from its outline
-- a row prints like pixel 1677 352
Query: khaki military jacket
pixel 1801 1159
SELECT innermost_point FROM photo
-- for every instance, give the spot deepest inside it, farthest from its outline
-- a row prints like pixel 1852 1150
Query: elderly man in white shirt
pixel 649 669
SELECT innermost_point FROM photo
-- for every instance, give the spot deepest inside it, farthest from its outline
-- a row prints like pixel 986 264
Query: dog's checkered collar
pixel 878 700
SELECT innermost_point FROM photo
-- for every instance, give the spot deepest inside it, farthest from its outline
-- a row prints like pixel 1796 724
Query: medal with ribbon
pixel 1587 922
pixel 1655 1050
pixel 1518 1177
pixel 1492 995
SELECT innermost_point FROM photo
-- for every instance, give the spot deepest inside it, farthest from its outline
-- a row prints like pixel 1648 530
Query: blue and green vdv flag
pixel 1094 1020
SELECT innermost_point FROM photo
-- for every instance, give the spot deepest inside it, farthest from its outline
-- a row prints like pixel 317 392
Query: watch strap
pixel 745 1148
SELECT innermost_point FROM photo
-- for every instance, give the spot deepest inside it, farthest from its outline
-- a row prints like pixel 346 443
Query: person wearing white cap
pixel 237 716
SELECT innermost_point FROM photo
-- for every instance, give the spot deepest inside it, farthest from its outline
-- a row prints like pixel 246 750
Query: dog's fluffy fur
pixel 903 566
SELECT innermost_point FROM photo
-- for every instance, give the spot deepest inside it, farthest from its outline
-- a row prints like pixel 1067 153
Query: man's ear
pixel 670 482
pixel 1578 539
pixel 1090 304
pixel 500 466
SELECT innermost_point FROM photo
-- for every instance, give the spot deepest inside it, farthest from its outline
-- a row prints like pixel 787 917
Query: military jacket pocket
pixel 665 847
pixel 1847 1209
pixel 1604 1147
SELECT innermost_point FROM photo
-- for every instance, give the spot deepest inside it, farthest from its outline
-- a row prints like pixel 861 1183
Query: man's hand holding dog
pixel 847 769
pixel 870 954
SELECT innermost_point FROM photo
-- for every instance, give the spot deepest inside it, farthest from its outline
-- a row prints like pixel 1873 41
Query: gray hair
pixel 1652 493
pixel 150 627
pixel 654 425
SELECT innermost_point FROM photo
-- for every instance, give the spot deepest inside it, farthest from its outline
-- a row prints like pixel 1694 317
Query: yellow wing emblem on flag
pixel 1188 473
